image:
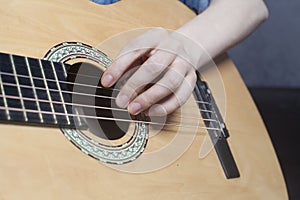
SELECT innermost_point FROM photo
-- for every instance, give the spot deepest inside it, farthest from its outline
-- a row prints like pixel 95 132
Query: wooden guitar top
pixel 40 163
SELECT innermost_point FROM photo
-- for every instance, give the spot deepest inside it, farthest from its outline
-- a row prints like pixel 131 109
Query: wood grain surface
pixel 40 163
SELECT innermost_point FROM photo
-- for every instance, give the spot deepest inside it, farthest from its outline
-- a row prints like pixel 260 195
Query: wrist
pixel 194 52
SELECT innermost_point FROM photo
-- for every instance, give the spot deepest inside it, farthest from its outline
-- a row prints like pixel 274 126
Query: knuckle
pixel 170 46
pixel 146 100
pixel 182 63
pixel 153 95
pixel 173 82
pixel 134 48
pixel 153 60
pixel 158 32
pixel 185 62
pixel 131 89
pixel 153 67
pixel 129 47
pixel 161 31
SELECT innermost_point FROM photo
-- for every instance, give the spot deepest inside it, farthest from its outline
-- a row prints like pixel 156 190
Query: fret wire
pixel 65 73
pixel 27 86
pixel 64 91
pixel 60 93
pixel 4 99
pixel 66 82
pixel 46 88
pixel 34 91
pixel 18 86
pixel 85 85
pixel 101 107
pixel 47 91
pixel 76 111
pixel 64 69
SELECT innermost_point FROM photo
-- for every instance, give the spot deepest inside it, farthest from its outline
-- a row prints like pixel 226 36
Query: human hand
pixel 168 64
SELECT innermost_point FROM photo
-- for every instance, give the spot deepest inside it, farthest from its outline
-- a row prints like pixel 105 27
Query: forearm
pixel 224 24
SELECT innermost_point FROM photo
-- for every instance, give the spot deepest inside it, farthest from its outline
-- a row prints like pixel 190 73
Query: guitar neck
pixel 35 91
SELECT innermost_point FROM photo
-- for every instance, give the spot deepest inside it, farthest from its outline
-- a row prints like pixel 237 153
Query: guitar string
pixel 109 118
pixel 84 94
pixel 87 106
pixel 79 84
pixel 5 73
pixel 78 74
pixel 110 108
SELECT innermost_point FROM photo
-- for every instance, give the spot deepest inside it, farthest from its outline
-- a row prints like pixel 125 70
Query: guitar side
pixel 41 163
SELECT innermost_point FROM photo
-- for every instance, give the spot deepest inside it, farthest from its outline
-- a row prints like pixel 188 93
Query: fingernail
pixel 107 80
pixel 135 108
pixel 122 101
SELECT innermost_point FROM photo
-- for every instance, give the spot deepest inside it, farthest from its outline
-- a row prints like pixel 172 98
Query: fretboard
pixel 35 91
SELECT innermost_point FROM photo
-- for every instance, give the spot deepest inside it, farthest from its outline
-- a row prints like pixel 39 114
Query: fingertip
pixel 107 80
pixel 122 101
pixel 135 108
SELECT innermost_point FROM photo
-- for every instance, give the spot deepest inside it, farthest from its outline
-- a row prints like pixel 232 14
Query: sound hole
pixel 103 117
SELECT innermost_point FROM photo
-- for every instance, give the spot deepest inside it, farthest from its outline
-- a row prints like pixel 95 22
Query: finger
pixel 177 99
pixel 131 52
pixel 168 84
pixel 120 65
pixel 150 70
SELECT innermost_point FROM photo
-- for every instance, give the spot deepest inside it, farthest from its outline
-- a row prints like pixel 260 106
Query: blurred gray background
pixel 270 56
pixel 269 62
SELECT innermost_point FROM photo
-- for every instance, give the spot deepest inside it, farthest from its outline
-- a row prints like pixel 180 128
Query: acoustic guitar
pixel 62 136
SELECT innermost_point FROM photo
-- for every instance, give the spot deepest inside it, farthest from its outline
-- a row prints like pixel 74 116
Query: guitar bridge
pixel 218 132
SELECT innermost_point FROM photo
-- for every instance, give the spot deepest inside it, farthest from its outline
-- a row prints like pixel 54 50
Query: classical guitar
pixel 62 136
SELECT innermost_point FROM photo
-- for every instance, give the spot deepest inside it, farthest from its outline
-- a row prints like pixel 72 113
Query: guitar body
pixel 40 163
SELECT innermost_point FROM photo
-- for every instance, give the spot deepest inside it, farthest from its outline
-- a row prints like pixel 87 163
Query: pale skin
pixel 173 58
